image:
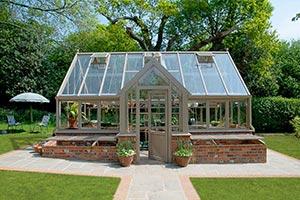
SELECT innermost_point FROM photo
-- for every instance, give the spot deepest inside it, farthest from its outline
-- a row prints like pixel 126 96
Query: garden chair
pixel 44 123
pixel 12 123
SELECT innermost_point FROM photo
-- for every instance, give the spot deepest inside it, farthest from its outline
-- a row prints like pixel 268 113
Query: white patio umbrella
pixel 29 97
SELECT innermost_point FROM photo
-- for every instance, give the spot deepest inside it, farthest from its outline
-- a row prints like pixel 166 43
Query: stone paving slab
pixel 152 180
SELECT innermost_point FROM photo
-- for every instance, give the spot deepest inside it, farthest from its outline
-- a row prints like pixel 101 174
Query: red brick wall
pixel 227 152
pixel 224 151
pixel 102 152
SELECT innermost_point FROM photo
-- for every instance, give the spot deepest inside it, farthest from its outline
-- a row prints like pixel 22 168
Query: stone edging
pixel 123 188
pixel 188 188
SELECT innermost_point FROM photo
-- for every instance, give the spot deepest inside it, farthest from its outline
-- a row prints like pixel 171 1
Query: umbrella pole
pixel 31 118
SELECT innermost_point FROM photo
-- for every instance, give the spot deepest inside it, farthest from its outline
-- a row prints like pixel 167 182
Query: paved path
pixel 152 180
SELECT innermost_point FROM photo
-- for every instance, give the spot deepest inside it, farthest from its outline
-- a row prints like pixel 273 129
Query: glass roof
pixel 201 73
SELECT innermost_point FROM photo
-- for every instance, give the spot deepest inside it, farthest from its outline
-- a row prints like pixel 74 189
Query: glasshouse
pixel 155 100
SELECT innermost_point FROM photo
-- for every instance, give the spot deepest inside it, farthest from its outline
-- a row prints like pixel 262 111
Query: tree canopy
pixel 183 24
pixel 287 62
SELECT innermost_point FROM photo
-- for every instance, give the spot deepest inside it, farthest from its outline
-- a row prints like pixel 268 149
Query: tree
pixel 183 24
pixel 64 16
pixel 31 55
pixel 206 22
pixel 103 38
pixel 144 21
pixel 287 61
pixel 22 46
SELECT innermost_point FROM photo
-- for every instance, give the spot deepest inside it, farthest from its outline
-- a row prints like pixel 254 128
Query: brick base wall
pixel 224 151
pixel 103 152
pixel 227 152
pixel 83 150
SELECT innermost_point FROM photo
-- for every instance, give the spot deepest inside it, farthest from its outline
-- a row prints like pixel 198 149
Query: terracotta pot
pixel 35 147
pixel 126 161
pixel 72 122
pixel 182 161
pixel 38 149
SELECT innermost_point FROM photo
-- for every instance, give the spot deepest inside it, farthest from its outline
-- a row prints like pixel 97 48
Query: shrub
pixel 184 149
pixel 125 149
pixel 273 114
pixel 296 124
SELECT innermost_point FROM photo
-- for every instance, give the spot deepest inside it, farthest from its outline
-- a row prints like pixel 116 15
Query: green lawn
pixel 286 144
pixel 18 138
pixel 247 188
pixel 28 185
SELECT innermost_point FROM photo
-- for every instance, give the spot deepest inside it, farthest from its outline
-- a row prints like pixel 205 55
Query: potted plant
pixel 183 153
pixel 72 111
pixel 125 152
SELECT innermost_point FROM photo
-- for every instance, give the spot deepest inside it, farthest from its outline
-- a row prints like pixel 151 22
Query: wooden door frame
pixel 166 91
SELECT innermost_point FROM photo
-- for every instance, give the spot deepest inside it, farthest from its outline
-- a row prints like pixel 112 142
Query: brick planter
pixel 228 151
pixel 223 151
pixel 103 151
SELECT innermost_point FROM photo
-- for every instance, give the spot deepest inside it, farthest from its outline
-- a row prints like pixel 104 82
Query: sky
pixel 284 11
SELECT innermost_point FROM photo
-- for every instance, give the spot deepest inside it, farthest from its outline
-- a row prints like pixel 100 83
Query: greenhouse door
pixel 158 129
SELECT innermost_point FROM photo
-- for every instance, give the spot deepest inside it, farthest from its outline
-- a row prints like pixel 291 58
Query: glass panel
pixel 93 79
pixel 170 61
pixel 69 114
pixel 113 78
pixel 152 77
pixel 197 115
pixel 229 74
pixel 89 115
pixel 158 112
pixel 191 74
pixel 131 111
pixel 134 62
pixel 177 75
pixel 212 78
pixel 77 74
pixel 217 114
pixel 110 111
pixel 237 114
pixel 129 76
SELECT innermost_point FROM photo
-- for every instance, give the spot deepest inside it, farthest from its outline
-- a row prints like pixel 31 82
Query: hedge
pixel 273 114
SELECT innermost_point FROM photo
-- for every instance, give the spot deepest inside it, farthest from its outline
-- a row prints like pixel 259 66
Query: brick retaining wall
pixel 104 152
pixel 227 152
pixel 224 151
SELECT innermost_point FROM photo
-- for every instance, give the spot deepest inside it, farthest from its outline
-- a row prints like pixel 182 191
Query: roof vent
pixel 205 60
pixel 99 59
